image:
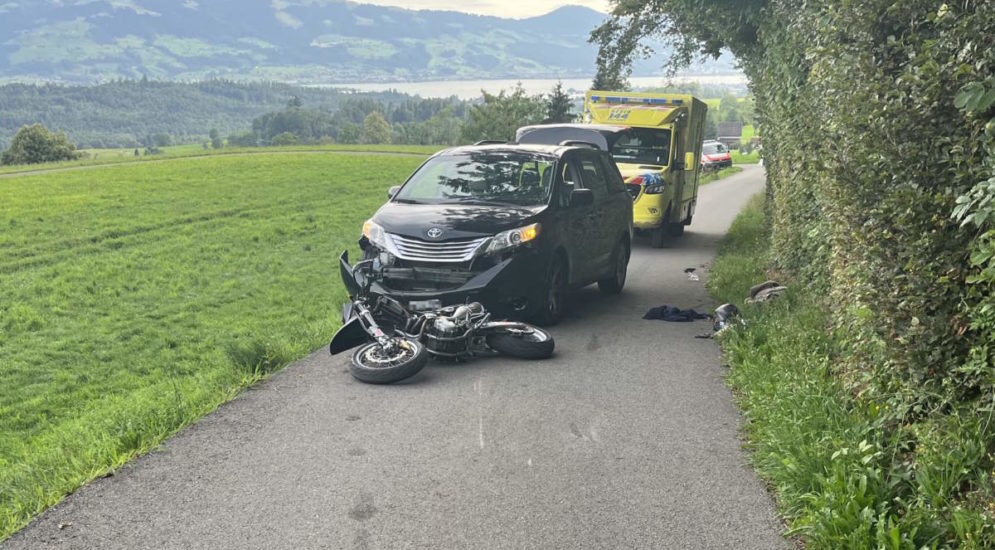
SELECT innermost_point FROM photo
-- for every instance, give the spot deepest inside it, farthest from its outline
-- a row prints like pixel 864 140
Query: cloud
pixel 288 20
pixel 191 4
pixel 118 5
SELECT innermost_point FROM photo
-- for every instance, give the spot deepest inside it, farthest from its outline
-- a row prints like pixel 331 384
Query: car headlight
pixel 375 234
pixel 652 182
pixel 507 240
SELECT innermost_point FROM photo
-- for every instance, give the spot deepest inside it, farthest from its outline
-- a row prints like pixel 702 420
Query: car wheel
pixel 620 268
pixel 676 229
pixel 658 237
pixel 551 310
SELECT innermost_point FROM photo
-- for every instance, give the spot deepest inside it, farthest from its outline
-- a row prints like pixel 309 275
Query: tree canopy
pixel 499 116
pixel 375 128
pixel 559 106
pixel 35 144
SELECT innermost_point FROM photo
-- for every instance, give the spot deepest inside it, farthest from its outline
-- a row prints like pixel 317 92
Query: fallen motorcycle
pixel 395 343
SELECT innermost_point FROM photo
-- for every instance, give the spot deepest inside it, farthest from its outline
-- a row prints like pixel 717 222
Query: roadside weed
pixel 844 475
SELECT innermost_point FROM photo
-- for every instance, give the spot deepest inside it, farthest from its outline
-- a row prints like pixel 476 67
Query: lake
pixel 470 89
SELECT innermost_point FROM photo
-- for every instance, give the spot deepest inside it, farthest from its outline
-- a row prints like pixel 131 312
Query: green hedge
pixel 879 141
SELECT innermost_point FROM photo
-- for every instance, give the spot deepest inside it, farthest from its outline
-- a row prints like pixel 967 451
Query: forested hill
pixel 123 114
pixel 304 41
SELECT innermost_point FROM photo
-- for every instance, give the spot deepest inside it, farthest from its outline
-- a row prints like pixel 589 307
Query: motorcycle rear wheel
pixel 371 364
pixel 535 343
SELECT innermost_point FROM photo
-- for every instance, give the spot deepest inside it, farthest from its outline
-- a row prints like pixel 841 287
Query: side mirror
pixel 393 191
pixel 581 197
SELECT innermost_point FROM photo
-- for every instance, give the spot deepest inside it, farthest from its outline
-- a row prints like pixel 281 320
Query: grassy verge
pixel 738 157
pixel 135 299
pixel 103 157
pixel 709 177
pixel 843 477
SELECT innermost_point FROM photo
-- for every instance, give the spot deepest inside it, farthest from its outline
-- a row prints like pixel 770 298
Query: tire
pixel 551 308
pixel 537 344
pixel 658 237
pixel 676 229
pixel 364 367
pixel 620 267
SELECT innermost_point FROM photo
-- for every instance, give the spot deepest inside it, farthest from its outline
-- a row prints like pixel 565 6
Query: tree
pixel 216 140
pixel 559 105
pixel 443 128
pixel 691 30
pixel 375 128
pixel 285 138
pixel 162 139
pixel 500 115
pixel 35 144
pixel 349 133
pixel 309 125
pixel 295 103
pixel 711 128
pixel 730 109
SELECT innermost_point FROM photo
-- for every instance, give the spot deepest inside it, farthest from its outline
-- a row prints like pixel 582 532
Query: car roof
pixel 602 136
pixel 602 128
pixel 546 150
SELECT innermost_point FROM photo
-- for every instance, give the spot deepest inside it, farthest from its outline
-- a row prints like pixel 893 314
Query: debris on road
pixel 765 291
pixel 726 316
pixel 674 315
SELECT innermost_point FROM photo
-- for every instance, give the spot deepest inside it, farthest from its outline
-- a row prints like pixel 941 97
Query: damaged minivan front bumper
pixel 507 284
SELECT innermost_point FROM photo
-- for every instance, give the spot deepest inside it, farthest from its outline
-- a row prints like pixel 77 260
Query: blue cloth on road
pixel 674 315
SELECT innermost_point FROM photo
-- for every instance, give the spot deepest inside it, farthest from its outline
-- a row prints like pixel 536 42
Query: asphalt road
pixel 627 438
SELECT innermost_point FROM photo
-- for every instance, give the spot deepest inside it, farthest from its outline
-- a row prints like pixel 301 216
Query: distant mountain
pixel 303 41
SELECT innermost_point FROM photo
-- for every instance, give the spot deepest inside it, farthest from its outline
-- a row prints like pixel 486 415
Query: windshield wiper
pixel 407 201
pixel 485 202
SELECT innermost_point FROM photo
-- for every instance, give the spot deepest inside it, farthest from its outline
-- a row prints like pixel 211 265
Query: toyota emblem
pixel 434 233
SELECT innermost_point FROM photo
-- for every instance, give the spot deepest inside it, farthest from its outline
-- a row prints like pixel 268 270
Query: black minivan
pixel 511 226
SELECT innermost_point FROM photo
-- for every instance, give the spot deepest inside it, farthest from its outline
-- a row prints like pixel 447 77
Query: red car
pixel 715 156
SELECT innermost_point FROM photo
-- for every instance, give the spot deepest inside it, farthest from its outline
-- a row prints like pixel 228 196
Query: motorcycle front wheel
pixel 372 364
pixel 531 343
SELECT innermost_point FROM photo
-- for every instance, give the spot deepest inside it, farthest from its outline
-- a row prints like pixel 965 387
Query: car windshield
pixel 643 146
pixel 713 148
pixel 484 177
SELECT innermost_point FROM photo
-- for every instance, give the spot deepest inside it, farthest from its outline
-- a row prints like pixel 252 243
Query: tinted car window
pixel 482 176
pixel 643 146
pixel 615 182
pixel 593 175
pixel 571 180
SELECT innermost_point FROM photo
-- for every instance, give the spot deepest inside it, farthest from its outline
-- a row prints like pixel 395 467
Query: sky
pixel 501 8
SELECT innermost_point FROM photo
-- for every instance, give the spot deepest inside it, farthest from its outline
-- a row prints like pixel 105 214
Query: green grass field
pixel 101 157
pixel 738 157
pixel 136 298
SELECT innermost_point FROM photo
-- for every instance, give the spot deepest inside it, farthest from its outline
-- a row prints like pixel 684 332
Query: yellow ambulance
pixel 656 141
